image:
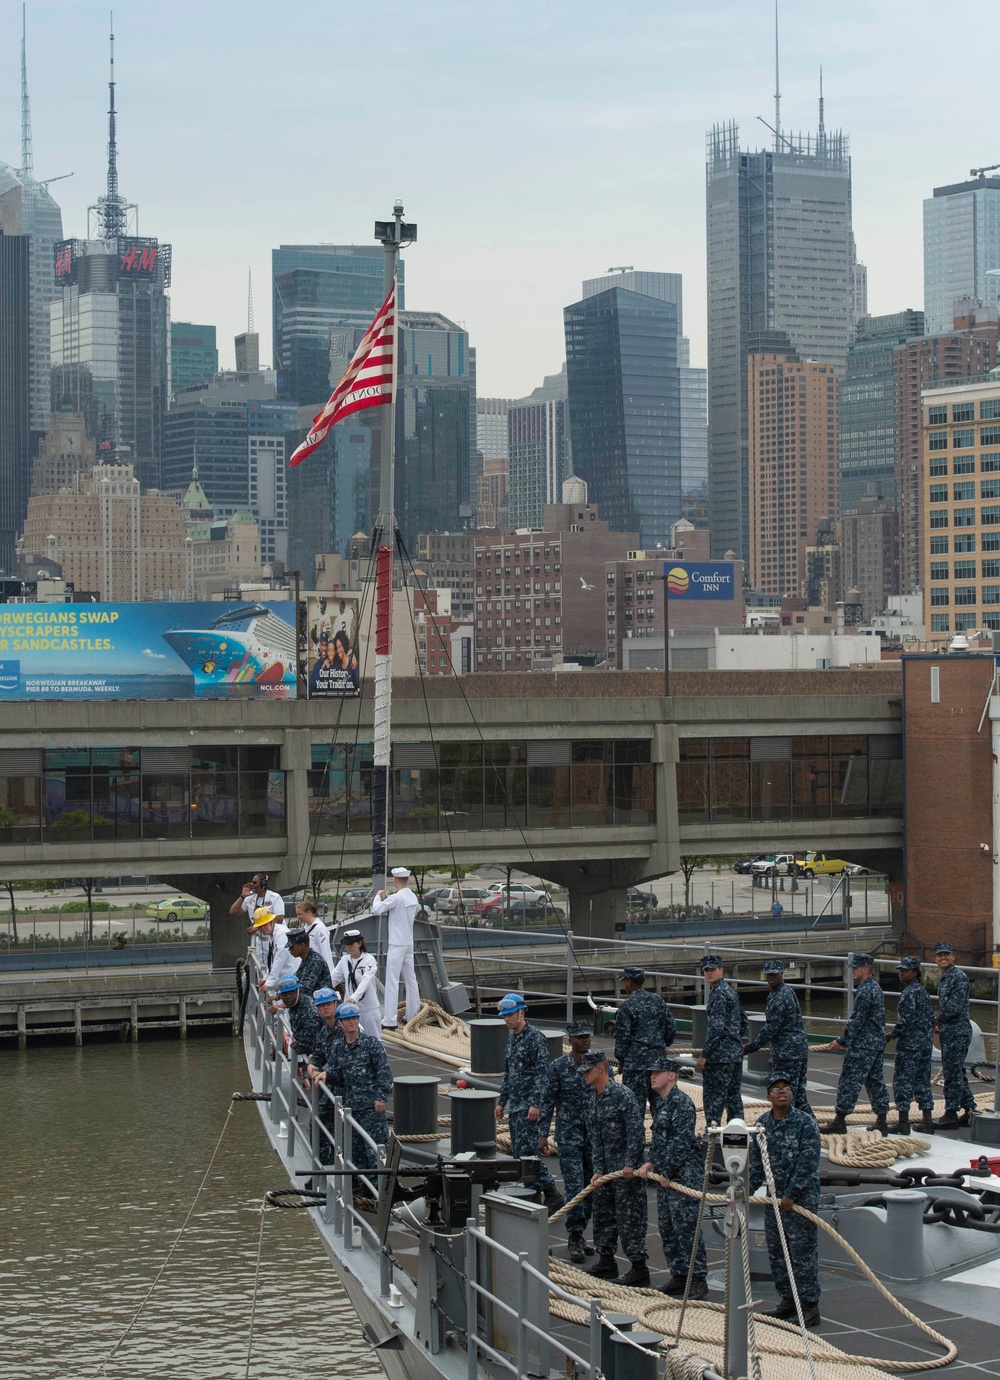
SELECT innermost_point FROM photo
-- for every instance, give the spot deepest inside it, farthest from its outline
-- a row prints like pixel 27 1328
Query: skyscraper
pixel 961 246
pixel 866 408
pixel 15 391
pixel 436 476
pixel 110 326
pixel 694 423
pixel 780 258
pixel 536 459
pixel 194 357
pixel 625 408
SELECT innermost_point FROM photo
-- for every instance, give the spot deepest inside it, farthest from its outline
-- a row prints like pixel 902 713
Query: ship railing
pixel 534 1339
pixel 573 970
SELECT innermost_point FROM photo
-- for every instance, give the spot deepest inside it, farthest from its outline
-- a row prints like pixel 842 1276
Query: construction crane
pixel 981 172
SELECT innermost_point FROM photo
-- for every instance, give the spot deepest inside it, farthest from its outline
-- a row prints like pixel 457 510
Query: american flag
pixel 367 381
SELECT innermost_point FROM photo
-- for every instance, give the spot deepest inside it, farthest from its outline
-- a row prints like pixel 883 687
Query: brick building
pixel 870 553
pixel 445 562
pixel 540 595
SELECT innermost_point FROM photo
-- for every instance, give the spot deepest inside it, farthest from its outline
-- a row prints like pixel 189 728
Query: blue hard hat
pixel 289 983
pixel 511 1002
pixel 324 994
pixel 347 1009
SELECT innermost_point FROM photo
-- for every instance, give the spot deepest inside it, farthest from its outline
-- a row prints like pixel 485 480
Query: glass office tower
pixel 625 409
pixel 780 258
pixel 194 357
pixel 26 208
pixel 866 431
pixel 15 392
pixel 961 246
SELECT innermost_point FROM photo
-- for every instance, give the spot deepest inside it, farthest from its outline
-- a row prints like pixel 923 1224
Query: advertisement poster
pixel 700 579
pixel 150 651
pixel 333 647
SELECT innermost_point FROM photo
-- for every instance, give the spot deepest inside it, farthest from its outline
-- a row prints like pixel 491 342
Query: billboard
pixel 700 579
pixel 148 651
pixel 332 633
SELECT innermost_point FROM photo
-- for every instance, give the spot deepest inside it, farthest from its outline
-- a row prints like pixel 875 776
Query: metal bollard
pixel 489 1045
pixel 632 1364
pixel 904 1227
pixel 555 1040
pixel 414 1105
pixel 472 1119
pixel 624 1323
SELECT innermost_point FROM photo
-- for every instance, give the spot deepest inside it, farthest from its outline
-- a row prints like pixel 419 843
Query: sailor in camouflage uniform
pixel 955 1029
pixel 357 1070
pixel 644 1027
pixel 793 1147
pixel 864 1040
pixel 301 1013
pixel 784 1032
pixel 721 1059
pixel 526 1061
pixel 913 1033
pixel 328 1030
pixel 312 971
pixel 568 1096
pixel 675 1154
pixel 616 1136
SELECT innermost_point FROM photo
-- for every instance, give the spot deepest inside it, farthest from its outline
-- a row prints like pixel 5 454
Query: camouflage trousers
pixel 620 1210
pixel 637 1082
pixel 803 1251
pixel 721 1091
pixel 677 1218
pixel 954 1048
pixel 863 1068
pixel 524 1142
pixel 911 1080
pixel 577 1166
pixel 795 1070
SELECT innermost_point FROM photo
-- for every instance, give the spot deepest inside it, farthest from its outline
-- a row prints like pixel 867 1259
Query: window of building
pixel 991 593
pixel 989 435
pixel 937 415
pixel 966 541
pixel 965 570
pixel 990 464
pixel 940 598
pixel 989 408
pixel 965 594
pixel 965 491
pixel 964 622
pixel 939 465
pixel 939 546
pixel 964 439
pixel 940 622
pixel 963 412
pixel 991 570
pixel 966 517
pixel 938 493
pixel 939 570
pixel 937 440
pixel 965 465
pixel 990 515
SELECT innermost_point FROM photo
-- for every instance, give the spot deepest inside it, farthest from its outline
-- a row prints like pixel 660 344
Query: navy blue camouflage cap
pixel 943 947
pixel 633 973
pixel 297 937
pixel 664 1064
pixel 579 1028
pixel 592 1058
pixel 909 965
pixel 773 965
pixel 862 961
pixel 778 1078
pixel 710 961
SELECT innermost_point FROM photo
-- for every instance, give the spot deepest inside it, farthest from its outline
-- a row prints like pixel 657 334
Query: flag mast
pixel 393 234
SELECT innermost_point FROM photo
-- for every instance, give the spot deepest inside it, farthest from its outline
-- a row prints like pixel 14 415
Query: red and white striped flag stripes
pixel 367 381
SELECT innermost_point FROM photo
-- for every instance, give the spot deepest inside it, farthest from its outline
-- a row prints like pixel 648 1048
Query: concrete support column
pixel 597 913
pixel 296 760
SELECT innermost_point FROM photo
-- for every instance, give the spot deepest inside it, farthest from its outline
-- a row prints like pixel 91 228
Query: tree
pixel 32 884
pixel 689 863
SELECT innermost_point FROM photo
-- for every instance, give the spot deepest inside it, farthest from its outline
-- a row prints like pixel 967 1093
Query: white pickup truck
pixel 777 865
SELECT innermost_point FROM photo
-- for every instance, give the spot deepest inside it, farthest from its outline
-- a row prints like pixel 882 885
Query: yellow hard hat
pixel 262 916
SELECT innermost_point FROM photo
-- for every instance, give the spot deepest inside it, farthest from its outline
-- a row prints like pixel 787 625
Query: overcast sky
pixel 535 142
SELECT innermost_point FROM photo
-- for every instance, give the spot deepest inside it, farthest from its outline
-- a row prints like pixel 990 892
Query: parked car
pixel 461 900
pixel 814 864
pixel 354 898
pixel 744 865
pixel 178 908
pixel 519 891
pixel 641 900
pixel 520 912
pixel 429 897
pixel 773 865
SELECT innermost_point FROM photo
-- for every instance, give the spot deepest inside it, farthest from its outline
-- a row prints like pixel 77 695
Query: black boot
pixel 810 1315
pixel 674 1286
pixel 881 1125
pixel 926 1123
pixel 552 1198
pixel 577 1253
pixel 785 1309
pixel 964 1118
pixel 902 1126
pixel 948 1122
pixel 638 1275
pixel 605 1268
pixel 699 1288
pixel 836 1127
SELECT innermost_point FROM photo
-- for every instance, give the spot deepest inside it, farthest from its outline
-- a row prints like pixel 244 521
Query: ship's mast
pixel 393 235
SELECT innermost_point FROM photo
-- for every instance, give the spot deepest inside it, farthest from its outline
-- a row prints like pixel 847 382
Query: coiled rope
pixel 658 1306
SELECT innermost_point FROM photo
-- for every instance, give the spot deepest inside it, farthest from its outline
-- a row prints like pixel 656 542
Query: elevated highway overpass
pixel 594 781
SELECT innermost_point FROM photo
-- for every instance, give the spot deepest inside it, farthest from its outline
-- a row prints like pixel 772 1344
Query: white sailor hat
pixel 400 871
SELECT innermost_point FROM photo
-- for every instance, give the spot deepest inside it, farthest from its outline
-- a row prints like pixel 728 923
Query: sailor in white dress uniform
pixel 400 910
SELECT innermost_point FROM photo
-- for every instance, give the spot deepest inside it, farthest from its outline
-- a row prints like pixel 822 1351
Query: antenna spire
pixel 27 160
pixel 112 213
pixel 822 124
pixel 777 86
pixel 249 301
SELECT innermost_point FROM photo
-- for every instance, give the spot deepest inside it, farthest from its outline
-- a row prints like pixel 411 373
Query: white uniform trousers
pixel 399 963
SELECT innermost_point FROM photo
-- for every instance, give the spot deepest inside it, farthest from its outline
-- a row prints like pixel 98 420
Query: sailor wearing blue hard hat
pixel 526 1062
pixel 357 1069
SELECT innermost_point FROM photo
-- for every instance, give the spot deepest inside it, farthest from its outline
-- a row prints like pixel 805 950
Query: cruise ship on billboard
pixel 248 645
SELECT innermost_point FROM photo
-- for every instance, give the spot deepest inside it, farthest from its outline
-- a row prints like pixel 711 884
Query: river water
pixel 103 1152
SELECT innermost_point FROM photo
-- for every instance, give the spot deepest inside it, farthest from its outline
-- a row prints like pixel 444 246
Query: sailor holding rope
pixel 401 910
